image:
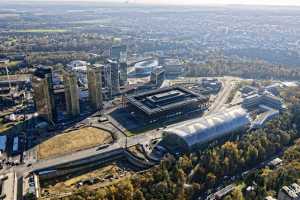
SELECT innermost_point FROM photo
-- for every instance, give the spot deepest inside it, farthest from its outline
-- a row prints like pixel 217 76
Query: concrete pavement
pixel 220 101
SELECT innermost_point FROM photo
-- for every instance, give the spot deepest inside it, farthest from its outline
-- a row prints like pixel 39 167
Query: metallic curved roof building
pixel 145 67
pixel 205 129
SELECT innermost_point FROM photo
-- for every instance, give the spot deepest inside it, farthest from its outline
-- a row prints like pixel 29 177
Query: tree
pixel 211 179
pixel 228 197
pixel 237 194
pixel 252 155
pixel 125 190
pixel 138 195
pixel 285 138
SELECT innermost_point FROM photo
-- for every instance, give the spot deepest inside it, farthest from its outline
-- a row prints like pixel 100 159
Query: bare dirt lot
pixel 101 177
pixel 72 141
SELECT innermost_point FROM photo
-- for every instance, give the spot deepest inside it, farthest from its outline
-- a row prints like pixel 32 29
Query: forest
pixel 255 69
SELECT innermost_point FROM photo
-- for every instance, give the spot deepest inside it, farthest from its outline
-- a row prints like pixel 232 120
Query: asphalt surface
pixel 75 156
pixel 220 101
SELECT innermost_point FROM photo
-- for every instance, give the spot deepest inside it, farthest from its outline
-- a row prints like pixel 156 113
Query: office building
pixel 255 100
pixel 123 73
pixel 161 60
pixel 115 77
pixel 119 53
pixel 165 104
pixel 248 89
pixel 106 81
pixel 94 76
pixel 157 76
pixel 173 67
pixel 43 93
pixel 211 84
pixel 71 93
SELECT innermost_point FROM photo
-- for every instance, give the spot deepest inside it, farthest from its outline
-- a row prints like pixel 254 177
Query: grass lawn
pixel 7 126
pixel 11 64
pixel 73 141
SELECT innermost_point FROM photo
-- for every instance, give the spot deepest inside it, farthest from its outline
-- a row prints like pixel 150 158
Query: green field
pixel 11 64
pixel 42 31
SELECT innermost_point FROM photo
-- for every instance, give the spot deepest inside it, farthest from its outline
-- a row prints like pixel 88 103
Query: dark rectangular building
pixel 165 103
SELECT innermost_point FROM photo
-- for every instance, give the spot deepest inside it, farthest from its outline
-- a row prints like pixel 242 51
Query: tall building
pixel 119 53
pixel 94 76
pixel 106 81
pixel 71 93
pixel 158 76
pixel 123 73
pixel 115 78
pixel 161 60
pixel 43 93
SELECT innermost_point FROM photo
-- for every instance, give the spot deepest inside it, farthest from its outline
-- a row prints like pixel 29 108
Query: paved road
pixel 41 164
pixel 220 101
pixel 121 143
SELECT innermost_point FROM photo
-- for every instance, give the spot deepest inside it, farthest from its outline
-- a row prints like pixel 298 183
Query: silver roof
pixel 207 128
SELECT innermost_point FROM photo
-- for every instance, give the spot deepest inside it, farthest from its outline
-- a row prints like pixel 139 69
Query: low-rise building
pixel 291 192
pixel 252 101
pixel 4 61
pixel 267 115
pixel 248 89
pixel 211 84
pixel 275 163
pixel 270 198
pixel 272 101
pixel 255 100
pixel 273 89
pixel 165 104
pixel 173 67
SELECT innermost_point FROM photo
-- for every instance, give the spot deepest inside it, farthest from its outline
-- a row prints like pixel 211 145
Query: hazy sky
pixel 264 2
pixel 188 2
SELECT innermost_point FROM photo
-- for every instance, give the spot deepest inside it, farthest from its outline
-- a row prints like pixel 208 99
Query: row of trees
pixel 243 68
pixel 53 41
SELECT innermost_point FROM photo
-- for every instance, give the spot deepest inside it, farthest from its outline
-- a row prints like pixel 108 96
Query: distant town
pixel 122 101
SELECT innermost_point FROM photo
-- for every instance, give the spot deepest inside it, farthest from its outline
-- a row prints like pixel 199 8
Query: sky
pixel 255 2
pixel 198 2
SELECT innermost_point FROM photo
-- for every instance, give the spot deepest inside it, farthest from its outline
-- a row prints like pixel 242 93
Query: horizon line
pixel 128 2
